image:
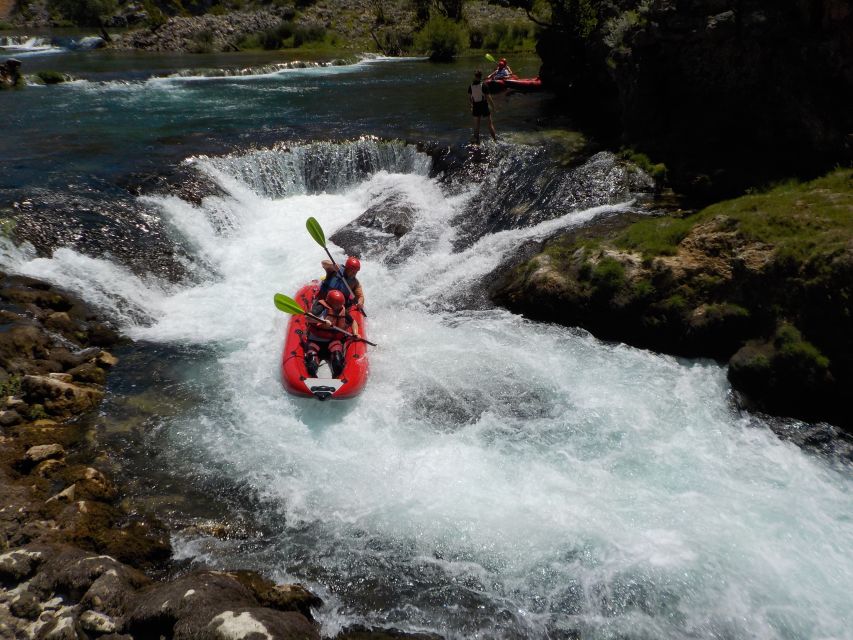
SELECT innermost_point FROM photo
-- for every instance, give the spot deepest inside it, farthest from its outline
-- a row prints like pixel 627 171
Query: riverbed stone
pixel 25 605
pixel 284 597
pixel 97 622
pixel 9 418
pixel 19 564
pixel 43 452
pixel 245 623
pixel 61 397
pixel 63 627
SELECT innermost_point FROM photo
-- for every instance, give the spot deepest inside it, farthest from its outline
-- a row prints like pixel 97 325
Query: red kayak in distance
pixel 514 83
pixel 294 375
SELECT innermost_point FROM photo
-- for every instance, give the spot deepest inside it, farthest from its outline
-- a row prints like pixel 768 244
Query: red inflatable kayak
pixel 517 84
pixel 293 372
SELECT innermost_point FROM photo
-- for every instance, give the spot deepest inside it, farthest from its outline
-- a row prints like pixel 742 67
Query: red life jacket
pixel 319 331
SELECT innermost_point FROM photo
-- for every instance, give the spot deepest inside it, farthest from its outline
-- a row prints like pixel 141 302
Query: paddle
pixel 491 58
pixel 289 305
pixel 316 232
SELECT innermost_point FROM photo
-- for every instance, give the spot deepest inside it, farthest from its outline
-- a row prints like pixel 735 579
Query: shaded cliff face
pixel 727 93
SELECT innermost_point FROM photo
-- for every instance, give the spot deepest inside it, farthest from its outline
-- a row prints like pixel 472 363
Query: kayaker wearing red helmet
pixel 321 336
pixel 502 72
pixel 335 279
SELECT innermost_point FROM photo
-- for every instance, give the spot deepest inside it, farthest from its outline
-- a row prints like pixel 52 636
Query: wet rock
pixel 60 397
pixel 60 321
pixel 67 495
pixel 9 418
pixel 106 359
pixel 60 628
pixel 73 572
pixel 91 483
pixel 48 468
pixel 43 452
pixel 95 622
pixel 25 605
pixel 23 342
pixel 245 623
pixel 284 597
pixel 101 527
pixel 379 228
pixel 113 591
pixel 89 372
pixel 19 564
pixel 360 632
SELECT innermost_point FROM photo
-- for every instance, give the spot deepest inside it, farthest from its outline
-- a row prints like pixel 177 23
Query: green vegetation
pixel 608 275
pixel 83 12
pixel 288 34
pixel 504 36
pixel 655 236
pixel 797 219
pixel 51 77
pixel 11 386
pixel 203 42
pixel 656 170
pixel 441 37
pixel 798 352
pixel 5 26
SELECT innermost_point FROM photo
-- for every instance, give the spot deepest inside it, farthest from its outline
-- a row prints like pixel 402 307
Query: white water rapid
pixel 497 478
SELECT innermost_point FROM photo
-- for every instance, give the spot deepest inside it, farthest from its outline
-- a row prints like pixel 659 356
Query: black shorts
pixel 480 108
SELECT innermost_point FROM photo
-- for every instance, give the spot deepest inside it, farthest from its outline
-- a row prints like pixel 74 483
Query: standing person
pixel 480 106
pixel 502 72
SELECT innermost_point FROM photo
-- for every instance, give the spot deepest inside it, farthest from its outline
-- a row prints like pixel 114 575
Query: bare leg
pixel 492 129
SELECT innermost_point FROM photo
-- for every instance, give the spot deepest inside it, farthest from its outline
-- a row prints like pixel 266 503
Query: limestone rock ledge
pixel 781 321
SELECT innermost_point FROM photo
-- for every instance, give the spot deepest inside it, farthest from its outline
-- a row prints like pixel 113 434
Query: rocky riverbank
pixel 76 560
pixel 763 282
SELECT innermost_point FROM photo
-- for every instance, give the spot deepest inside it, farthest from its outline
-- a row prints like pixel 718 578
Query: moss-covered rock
pixel 766 278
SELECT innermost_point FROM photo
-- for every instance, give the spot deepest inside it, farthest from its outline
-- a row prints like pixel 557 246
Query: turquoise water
pixel 124 116
pixel 498 478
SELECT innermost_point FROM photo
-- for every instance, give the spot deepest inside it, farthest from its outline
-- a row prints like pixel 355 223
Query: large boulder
pixel 211 605
pixel 379 229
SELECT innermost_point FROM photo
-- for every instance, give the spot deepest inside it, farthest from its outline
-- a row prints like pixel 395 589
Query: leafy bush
pixel 4 26
pixel 506 36
pixel 608 275
pixel 203 42
pixel 51 77
pixel 11 386
pixel 308 33
pixel 156 17
pixel 441 37
pixel 84 12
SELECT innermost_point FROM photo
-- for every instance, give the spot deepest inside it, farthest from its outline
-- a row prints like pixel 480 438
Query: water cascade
pixel 498 478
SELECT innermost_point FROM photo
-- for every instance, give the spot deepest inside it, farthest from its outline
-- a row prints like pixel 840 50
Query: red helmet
pixel 353 263
pixel 502 62
pixel 335 299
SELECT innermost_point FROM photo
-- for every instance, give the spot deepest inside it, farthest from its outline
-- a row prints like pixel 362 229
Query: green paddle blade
pixel 287 304
pixel 316 231
pixel 490 57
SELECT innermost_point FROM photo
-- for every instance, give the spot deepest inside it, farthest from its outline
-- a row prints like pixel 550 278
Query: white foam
pixel 530 460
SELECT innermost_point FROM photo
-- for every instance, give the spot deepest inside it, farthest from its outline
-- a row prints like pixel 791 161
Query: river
pixel 498 478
